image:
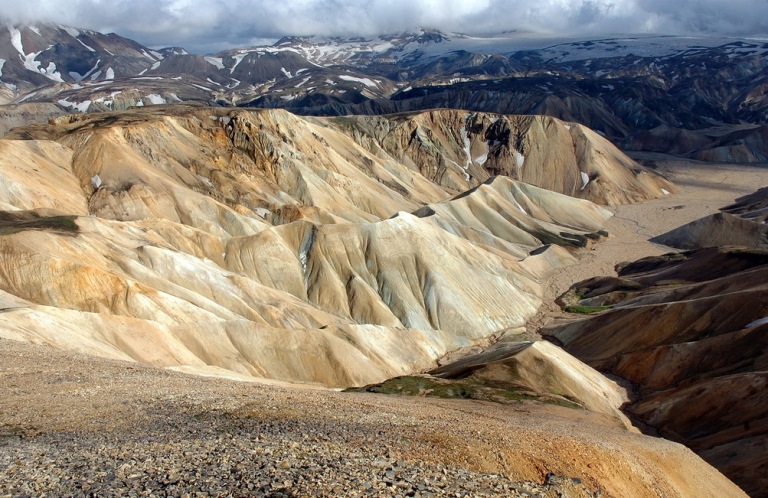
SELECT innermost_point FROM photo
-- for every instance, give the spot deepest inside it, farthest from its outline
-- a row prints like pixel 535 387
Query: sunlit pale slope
pixel 287 248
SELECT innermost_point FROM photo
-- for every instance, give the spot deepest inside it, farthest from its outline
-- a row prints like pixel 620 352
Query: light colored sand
pixel 704 189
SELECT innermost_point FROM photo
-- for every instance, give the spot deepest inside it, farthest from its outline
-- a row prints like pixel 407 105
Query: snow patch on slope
pixel 94 68
pixel 467 151
pixel 74 33
pixel 584 180
pixel 28 96
pixel 156 99
pixel 365 81
pixel 201 87
pixel 760 321
pixel 78 106
pixel 109 102
pixel 148 56
pixel 215 61
pixel 86 46
pixel 238 59
pixel 264 213
pixel 519 158
pixel 16 39
pixel 484 157
pixel 29 59
pixel 51 73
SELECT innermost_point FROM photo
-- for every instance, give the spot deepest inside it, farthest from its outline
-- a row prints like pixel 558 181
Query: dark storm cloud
pixel 210 25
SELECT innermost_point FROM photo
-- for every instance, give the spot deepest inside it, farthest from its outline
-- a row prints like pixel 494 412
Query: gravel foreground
pixel 240 465
pixel 96 437
pixel 75 425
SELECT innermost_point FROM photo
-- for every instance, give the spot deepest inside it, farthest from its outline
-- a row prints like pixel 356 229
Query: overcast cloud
pixel 212 25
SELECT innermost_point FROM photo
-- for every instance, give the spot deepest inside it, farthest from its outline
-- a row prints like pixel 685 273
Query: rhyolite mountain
pixel 639 91
pixel 271 245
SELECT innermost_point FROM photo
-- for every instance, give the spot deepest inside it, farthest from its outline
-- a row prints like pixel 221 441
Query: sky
pixel 207 26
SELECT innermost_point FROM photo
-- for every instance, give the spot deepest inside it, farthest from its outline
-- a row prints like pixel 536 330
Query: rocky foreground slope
pixel 263 244
pixel 72 424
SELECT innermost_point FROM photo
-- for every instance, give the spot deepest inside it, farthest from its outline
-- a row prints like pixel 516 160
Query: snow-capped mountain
pixel 619 86
pixel 43 54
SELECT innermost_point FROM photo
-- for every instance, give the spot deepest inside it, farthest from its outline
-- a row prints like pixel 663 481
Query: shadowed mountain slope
pixel 689 331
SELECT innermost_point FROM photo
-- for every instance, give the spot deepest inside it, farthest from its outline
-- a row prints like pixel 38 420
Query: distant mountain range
pixel 634 90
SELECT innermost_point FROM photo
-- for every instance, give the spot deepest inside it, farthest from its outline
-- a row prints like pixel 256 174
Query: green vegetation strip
pixel 462 389
pixel 585 310
pixel 9 225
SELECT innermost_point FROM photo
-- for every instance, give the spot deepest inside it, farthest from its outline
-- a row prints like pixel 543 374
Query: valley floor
pixel 704 189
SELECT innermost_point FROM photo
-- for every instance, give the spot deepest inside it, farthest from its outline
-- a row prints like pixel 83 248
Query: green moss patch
pixel 469 388
pixel 17 222
pixel 585 310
